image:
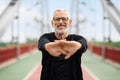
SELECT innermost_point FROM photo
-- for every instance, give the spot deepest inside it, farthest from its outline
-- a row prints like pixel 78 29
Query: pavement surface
pixel 29 68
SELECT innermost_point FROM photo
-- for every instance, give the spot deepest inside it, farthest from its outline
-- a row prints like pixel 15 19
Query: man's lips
pixel 60 27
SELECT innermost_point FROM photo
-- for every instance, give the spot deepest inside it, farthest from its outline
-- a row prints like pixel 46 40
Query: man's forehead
pixel 60 14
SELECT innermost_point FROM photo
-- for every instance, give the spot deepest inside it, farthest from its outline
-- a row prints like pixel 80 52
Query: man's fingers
pixel 68 56
pixel 63 51
pixel 60 40
pixel 56 40
pixel 63 40
pixel 58 54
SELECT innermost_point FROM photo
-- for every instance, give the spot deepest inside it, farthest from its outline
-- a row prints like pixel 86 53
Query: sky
pixel 30 10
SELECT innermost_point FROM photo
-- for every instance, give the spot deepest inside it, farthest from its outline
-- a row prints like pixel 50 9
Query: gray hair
pixel 61 10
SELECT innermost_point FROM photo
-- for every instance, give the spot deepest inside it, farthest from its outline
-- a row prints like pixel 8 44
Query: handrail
pixel 113 13
pixel 7 15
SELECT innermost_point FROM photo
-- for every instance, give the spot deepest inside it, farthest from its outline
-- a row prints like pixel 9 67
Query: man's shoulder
pixel 48 34
pixel 75 35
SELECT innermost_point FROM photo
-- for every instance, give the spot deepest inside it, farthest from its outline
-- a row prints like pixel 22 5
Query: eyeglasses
pixel 62 18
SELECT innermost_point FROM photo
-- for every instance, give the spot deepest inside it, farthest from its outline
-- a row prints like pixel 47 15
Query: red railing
pixel 112 54
pixel 11 52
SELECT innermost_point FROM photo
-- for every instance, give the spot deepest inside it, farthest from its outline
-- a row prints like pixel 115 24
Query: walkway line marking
pixel 90 72
pixel 31 72
pixel 12 60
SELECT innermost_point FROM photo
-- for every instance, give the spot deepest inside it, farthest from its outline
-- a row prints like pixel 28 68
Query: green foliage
pixel 112 44
pixel 3 44
pixel 6 44
pixel 116 44
pixel 29 40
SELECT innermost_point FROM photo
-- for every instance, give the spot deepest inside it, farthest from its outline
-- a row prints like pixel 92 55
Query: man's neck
pixel 61 36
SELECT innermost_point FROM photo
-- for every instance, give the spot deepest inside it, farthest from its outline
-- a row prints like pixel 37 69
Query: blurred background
pixel 22 22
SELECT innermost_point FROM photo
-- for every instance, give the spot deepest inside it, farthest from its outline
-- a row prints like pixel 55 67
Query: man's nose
pixel 60 20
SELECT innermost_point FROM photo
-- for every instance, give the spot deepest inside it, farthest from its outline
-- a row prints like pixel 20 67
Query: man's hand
pixel 59 47
pixel 70 47
pixel 54 49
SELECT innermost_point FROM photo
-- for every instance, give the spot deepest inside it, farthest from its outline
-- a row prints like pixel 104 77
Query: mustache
pixel 60 25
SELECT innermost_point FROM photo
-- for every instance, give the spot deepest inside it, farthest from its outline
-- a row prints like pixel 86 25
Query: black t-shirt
pixel 61 69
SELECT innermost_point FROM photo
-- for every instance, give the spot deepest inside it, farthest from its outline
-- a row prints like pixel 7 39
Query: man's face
pixel 61 22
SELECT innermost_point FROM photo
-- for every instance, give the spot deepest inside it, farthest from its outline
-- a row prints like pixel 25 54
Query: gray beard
pixel 62 31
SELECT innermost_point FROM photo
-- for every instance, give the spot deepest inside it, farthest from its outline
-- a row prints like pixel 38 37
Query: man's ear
pixel 52 22
pixel 70 22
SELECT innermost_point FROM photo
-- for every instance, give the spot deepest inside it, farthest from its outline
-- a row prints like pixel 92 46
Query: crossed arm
pixel 58 47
